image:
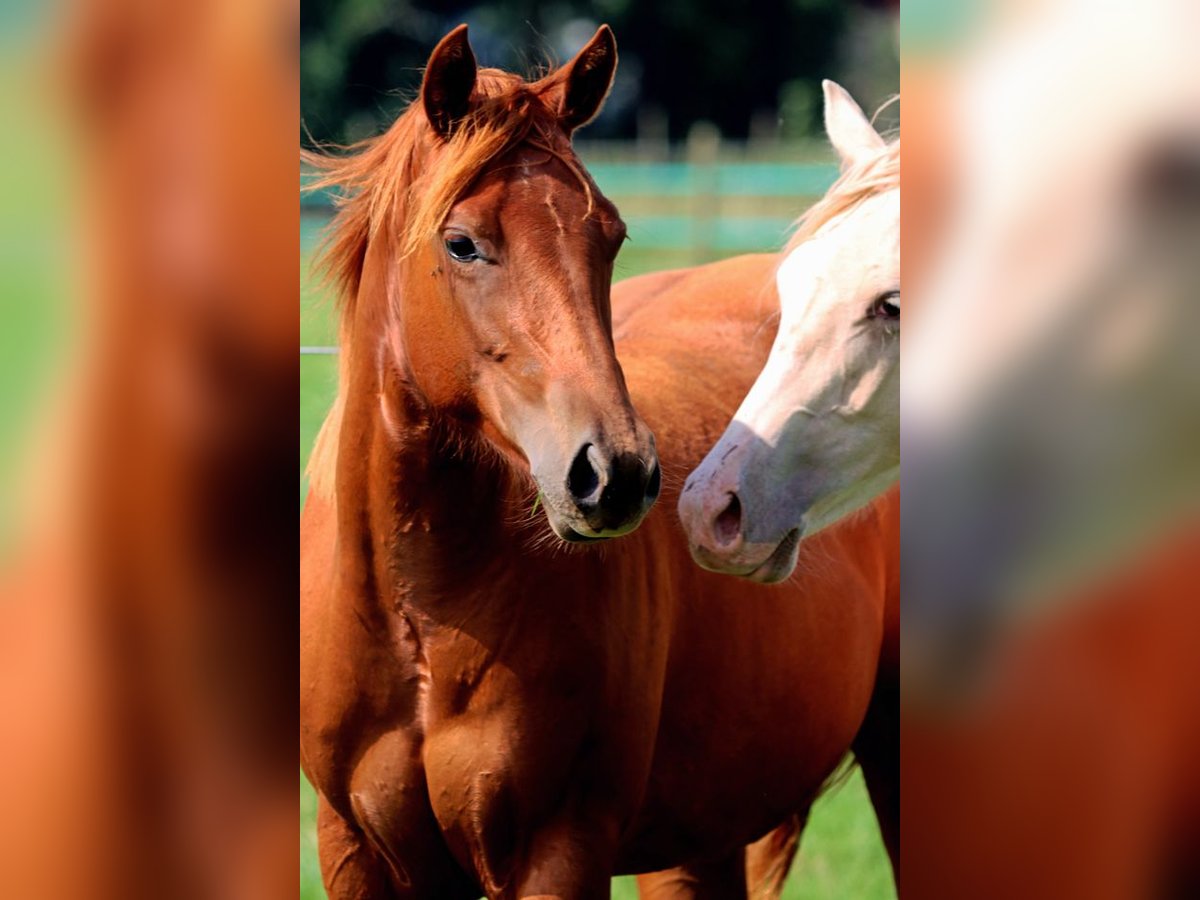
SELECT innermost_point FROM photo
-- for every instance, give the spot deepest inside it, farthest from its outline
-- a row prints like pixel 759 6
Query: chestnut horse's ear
pixel 851 134
pixel 449 81
pixel 579 88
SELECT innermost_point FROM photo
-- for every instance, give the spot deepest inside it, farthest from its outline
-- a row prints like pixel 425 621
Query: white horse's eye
pixel 886 306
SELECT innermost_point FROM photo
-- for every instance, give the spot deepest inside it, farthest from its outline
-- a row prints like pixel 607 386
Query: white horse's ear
pixel 851 134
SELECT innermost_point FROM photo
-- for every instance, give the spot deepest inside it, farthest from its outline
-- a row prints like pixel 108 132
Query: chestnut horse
pixel 490 705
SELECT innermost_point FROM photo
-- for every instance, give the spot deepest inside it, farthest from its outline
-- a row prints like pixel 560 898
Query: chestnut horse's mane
pixel 383 191
pixel 872 176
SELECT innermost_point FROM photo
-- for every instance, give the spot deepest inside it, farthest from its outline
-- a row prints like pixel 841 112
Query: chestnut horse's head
pixel 494 250
pixel 818 436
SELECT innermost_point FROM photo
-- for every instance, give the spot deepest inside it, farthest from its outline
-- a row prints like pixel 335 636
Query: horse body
pixel 482 712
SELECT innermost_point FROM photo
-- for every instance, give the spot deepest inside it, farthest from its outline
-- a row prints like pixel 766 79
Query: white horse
pixel 818 436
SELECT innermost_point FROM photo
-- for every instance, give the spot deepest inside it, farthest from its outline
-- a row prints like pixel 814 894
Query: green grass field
pixel 841 855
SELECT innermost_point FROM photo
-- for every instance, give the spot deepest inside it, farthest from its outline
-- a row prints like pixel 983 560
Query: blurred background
pixel 711 144
pixel 148 380
pixel 754 74
pixel 1051 449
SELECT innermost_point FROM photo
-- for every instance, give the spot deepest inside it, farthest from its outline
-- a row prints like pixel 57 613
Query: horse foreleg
pixel 350 867
pixel 722 879
pixel 567 861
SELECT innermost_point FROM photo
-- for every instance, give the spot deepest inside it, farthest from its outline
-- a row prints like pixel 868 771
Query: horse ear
pixel 449 81
pixel 851 134
pixel 583 84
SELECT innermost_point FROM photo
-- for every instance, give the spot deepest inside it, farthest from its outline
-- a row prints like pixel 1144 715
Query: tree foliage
pixel 686 59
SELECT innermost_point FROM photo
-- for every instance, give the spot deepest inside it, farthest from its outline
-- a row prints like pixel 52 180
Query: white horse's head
pixel 818 435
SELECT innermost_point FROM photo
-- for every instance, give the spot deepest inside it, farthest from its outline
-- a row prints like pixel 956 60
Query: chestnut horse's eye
pixel 462 248
pixel 886 306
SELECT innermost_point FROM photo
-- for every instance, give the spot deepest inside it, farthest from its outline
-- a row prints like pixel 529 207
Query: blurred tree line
pixel 748 68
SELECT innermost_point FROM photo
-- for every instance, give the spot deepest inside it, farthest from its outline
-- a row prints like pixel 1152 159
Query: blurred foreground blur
pixel 148 281
pixel 1051 460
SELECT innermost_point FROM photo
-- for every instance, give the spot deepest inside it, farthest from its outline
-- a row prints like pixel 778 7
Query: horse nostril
pixel 654 485
pixel 728 524
pixel 582 480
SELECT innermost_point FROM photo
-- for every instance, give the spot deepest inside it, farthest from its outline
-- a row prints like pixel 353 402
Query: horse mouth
pixel 571 536
pixel 567 529
pixel 780 563
pixel 777 566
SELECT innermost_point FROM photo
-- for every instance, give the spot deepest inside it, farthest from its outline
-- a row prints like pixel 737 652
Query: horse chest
pixel 520 725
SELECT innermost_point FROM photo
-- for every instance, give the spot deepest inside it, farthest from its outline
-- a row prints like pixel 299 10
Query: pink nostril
pixel 728 525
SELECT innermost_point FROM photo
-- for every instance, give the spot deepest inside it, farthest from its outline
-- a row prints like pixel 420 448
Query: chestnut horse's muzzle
pixel 612 492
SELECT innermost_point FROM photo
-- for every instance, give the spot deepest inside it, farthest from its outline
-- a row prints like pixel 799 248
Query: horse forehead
pixel 820 275
pixel 867 222
pixel 806 265
pixel 877 217
pixel 536 188
pixel 547 189
pixel 862 242
pixel 555 204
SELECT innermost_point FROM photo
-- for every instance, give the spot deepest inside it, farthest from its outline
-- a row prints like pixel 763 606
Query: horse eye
pixel 461 248
pixel 886 306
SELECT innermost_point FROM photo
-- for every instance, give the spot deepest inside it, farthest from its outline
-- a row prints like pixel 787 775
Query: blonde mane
pixel 872 176
pixel 397 186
